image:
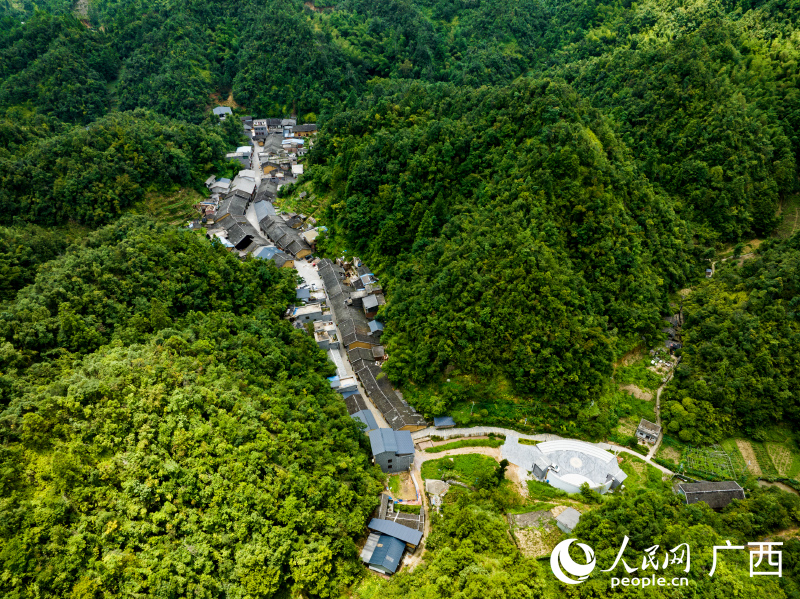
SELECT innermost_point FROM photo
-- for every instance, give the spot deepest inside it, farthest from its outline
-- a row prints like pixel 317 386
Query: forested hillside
pixel 519 235
pixel 740 360
pixel 198 451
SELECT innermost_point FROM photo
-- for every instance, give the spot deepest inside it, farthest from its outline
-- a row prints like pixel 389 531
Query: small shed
pixel 709 273
pixel 375 326
pixel 716 495
pixel 303 294
pixel 568 520
pixel 648 431
pixel 222 112
pixel 444 422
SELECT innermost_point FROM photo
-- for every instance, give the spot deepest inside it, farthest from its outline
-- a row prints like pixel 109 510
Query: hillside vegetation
pixel 162 438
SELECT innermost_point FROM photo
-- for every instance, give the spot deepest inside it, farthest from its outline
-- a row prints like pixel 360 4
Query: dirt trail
pixel 749 456
pixel 637 392
pixel 657 444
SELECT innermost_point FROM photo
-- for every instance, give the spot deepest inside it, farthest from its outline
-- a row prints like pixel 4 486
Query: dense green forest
pixel 94 173
pixel 164 433
pixel 536 274
pixel 740 358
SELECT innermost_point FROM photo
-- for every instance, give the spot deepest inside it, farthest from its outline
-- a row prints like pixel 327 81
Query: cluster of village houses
pixel 240 213
pixel 341 316
pixel 340 312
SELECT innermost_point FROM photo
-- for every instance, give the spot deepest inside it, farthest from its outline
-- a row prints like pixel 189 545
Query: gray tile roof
pixel 355 403
pixel 397 413
pixel 716 495
pixel 398 531
pixel 263 209
pixel 284 237
pixel 650 427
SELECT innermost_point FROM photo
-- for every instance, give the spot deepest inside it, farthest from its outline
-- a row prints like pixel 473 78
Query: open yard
pixel 467 468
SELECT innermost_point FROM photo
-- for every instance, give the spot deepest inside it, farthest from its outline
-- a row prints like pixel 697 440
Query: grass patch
pixel 539 491
pixel 640 474
pixel 532 506
pixel 528 442
pixel 466 443
pixel 408 509
pixel 466 468
pixel 638 374
pixel 764 459
pixel 173 206
pixel 394 484
pixel 790 217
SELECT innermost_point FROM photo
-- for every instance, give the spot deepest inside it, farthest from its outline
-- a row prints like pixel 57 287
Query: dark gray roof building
pixel 355 403
pixel 716 495
pixel 397 413
pixel 284 236
pixel 444 422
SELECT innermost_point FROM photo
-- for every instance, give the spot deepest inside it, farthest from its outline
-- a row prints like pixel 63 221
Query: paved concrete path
pixel 479 431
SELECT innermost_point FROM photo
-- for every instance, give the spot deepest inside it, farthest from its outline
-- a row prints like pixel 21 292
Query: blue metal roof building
pixel 444 422
pixel 367 418
pixel 407 535
pixel 387 554
pixel 266 252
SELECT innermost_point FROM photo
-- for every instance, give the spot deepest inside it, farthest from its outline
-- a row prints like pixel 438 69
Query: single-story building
pixel 311 313
pixel 392 450
pixel 385 555
pixel 304 130
pixel 648 431
pixel 222 112
pixel 367 418
pixel 444 422
pixel 716 495
pixel 280 259
pixel 568 520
